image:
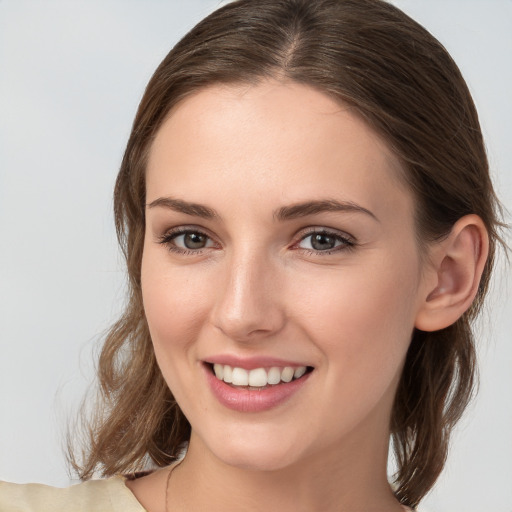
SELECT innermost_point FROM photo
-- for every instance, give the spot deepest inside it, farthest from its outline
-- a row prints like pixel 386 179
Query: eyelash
pixel 347 243
pixel 168 240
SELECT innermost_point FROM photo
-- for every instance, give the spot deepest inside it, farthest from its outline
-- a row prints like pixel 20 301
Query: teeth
pixel 287 374
pixel 227 374
pixel 274 375
pixel 240 377
pixel 219 371
pixel 258 377
pixel 299 372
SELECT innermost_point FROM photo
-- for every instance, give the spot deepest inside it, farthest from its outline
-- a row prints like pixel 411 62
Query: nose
pixel 250 302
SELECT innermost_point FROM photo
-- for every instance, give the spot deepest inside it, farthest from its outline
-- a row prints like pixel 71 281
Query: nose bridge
pixel 248 298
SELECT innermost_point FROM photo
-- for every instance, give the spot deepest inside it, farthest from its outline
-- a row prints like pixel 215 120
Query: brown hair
pixel 402 81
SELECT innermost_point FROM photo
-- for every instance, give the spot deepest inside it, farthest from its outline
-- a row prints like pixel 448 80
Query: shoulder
pixel 108 495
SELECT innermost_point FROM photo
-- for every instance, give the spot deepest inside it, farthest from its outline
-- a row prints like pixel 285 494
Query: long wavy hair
pixel 404 84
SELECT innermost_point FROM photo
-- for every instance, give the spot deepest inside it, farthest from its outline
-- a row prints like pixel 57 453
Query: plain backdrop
pixel 71 76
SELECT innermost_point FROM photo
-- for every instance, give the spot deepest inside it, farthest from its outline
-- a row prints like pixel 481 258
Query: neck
pixel 351 478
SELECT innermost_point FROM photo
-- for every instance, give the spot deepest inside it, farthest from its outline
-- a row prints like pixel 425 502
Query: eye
pixel 192 240
pixel 187 241
pixel 325 241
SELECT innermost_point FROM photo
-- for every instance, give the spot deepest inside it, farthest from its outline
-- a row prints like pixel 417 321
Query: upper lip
pixel 250 363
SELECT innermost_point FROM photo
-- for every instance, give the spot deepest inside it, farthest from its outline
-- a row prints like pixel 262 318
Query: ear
pixel 453 275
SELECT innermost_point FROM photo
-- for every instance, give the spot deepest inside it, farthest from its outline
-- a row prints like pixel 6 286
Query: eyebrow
pixel 296 211
pixel 195 209
pixel 284 213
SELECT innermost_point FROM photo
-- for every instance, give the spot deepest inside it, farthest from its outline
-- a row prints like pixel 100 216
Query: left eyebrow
pixel 296 211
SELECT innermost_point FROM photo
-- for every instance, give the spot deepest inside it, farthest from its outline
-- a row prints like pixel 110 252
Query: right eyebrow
pixel 178 205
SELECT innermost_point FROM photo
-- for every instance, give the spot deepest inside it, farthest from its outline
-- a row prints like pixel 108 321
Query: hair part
pixel 399 78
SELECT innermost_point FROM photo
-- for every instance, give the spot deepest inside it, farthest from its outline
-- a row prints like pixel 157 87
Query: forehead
pixel 284 140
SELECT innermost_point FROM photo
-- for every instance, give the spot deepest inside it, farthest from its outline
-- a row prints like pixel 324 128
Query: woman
pixel 306 210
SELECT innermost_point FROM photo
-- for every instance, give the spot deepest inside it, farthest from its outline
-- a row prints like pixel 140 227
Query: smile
pixel 257 377
pixel 257 389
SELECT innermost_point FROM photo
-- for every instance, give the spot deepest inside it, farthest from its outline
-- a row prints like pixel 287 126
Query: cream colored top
pixel 108 495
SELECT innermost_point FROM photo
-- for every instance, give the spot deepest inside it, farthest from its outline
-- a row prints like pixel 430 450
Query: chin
pixel 257 459
pixel 255 453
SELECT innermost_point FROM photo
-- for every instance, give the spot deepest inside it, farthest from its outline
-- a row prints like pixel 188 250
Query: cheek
pixel 175 317
pixel 362 318
pixel 362 325
pixel 173 304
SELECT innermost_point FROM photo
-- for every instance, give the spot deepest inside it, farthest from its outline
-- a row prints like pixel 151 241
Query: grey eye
pixel 320 242
pixel 323 241
pixel 192 240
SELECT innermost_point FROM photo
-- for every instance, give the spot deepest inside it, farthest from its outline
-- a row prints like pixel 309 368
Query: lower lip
pixel 253 400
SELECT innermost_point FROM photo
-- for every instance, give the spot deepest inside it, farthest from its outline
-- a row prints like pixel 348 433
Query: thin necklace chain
pixel 167 485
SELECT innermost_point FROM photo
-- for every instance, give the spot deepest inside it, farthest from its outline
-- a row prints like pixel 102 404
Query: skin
pixel 258 288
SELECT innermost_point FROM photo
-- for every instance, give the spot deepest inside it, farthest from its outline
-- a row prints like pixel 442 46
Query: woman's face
pixel 279 239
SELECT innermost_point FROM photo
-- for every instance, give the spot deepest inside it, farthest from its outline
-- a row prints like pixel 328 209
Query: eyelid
pixel 348 241
pixel 324 229
pixel 171 234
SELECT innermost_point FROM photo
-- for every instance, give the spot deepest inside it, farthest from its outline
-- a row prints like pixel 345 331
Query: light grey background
pixel 71 75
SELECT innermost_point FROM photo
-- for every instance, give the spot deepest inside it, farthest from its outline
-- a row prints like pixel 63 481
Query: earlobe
pixel 454 276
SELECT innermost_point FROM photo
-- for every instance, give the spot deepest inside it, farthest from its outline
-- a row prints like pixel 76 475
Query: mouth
pixel 257 378
pixel 255 385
